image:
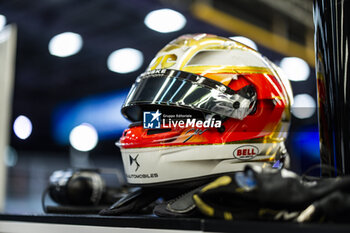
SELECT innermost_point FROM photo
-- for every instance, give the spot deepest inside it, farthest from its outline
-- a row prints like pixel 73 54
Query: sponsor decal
pixel 142 176
pixel 246 152
pixel 133 160
pixel 164 61
pixel 195 132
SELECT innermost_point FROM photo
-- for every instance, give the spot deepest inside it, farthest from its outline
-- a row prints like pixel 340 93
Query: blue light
pixel 305 148
pixel 308 144
pixel 101 111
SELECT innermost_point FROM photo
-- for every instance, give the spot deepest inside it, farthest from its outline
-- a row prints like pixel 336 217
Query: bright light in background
pixel 83 137
pixel 65 44
pixel 295 68
pixel 304 106
pixel 245 41
pixel 165 20
pixel 22 127
pixel 2 22
pixel 102 111
pixel 125 60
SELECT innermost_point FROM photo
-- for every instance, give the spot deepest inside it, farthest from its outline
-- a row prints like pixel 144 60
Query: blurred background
pixel 76 59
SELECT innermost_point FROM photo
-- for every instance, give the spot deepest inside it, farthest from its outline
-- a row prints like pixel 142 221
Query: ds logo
pixel 151 120
pixel 134 160
pixel 246 152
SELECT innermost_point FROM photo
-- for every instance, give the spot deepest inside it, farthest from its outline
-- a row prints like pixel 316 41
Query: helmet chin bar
pixel 186 90
pixel 162 165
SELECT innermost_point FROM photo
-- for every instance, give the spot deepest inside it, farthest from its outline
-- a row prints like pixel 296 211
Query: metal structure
pixel 7 56
pixel 332 53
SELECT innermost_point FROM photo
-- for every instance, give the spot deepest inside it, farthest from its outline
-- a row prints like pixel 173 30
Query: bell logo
pixel 246 152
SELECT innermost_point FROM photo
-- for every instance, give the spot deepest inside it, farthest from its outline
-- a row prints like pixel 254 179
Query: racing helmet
pixel 206 105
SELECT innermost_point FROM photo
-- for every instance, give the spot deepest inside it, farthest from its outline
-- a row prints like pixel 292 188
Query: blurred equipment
pixel 8 37
pixel 270 194
pixel 332 66
pixel 80 191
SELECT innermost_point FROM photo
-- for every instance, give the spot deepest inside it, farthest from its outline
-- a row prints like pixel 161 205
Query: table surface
pixel 192 224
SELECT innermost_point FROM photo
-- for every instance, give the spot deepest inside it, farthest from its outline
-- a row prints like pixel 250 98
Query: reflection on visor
pixel 177 88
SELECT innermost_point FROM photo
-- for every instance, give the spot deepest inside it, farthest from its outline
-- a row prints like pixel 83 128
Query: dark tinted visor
pixel 172 88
